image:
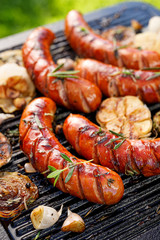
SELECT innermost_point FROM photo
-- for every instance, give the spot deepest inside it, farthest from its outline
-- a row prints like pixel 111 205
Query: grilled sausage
pixel 86 43
pixel 131 157
pixel 95 183
pixel 115 81
pixel 77 94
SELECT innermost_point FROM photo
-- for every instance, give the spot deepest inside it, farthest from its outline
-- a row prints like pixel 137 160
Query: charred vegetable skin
pixel 77 94
pixel 115 81
pixel 86 43
pixel 129 157
pixel 95 183
pixel 16 191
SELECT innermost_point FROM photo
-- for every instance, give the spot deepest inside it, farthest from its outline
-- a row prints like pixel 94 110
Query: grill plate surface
pixel 136 213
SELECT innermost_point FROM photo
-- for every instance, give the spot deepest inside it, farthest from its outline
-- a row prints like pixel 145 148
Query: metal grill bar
pixel 135 214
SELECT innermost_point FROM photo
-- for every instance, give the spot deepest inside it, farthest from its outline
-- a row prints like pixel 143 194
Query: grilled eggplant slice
pixel 16 192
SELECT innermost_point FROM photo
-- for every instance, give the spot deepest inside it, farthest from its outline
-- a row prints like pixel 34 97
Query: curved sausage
pixel 132 157
pixel 115 81
pixel 95 183
pixel 88 44
pixel 77 94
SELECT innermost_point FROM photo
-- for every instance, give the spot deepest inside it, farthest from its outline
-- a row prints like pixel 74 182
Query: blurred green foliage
pixel 20 15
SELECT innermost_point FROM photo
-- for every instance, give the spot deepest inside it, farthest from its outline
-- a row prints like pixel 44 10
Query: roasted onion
pixel 16 191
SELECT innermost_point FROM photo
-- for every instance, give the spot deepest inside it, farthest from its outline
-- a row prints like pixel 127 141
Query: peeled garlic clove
pixel 73 223
pixel 29 168
pixel 44 217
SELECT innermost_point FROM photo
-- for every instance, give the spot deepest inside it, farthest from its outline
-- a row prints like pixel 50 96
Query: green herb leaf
pixel 55 181
pixel 69 175
pixel 119 144
pixel 55 173
pixel 65 157
pixel 109 181
pixel 113 140
pixel 51 168
pixel 37 236
pixel 151 68
pixel 156 74
pixel 115 133
pixel 58 67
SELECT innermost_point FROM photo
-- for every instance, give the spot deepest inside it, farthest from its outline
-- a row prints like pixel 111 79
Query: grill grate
pixel 135 214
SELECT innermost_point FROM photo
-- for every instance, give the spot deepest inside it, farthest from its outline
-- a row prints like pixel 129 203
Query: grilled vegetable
pixel 5 150
pixel 126 115
pixel 122 35
pixel 16 191
pixel 44 217
pixel 16 87
pixel 73 223
pixel 156 123
pixel 11 56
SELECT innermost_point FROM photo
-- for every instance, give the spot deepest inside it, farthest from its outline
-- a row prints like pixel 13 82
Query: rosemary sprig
pixel 100 132
pixel 151 68
pixel 130 73
pixel 156 74
pixel 120 137
pixel 63 74
pixel 110 181
pixel 37 236
pixel 55 173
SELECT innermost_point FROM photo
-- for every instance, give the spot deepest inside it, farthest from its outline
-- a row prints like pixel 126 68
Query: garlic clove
pixel 29 168
pixel 44 217
pixel 73 223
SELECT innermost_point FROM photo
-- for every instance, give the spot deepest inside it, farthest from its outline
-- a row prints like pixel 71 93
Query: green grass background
pixel 19 15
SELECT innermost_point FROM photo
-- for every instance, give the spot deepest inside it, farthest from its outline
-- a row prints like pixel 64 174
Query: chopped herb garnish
pixel 83 30
pixel 120 137
pixel 13 133
pixel 110 181
pixel 100 132
pixel 58 67
pixel 62 74
pixel 151 68
pixel 37 236
pixel 130 73
pixel 55 173
pixel 130 171
pixel 156 74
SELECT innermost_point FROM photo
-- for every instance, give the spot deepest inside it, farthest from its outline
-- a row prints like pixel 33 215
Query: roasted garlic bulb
pixel 16 87
pixel 16 192
pixel 11 56
pixel 126 115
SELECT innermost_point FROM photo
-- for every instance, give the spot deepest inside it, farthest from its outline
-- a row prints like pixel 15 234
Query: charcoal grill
pixel 136 215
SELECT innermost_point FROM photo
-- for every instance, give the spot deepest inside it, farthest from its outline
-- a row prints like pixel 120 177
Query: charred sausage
pixel 87 43
pixel 95 183
pixel 131 157
pixel 115 81
pixel 77 94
